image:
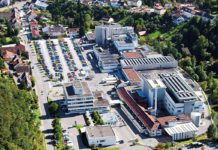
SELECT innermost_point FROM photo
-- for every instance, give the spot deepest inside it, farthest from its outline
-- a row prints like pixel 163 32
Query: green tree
pixel 212 132
pixel 53 107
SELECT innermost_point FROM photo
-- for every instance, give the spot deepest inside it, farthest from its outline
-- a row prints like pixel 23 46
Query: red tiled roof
pixel 129 55
pixel 144 117
pixel 131 75
pixel 7 55
pixel 73 30
pixel 179 118
pixel 21 69
pixel 14 49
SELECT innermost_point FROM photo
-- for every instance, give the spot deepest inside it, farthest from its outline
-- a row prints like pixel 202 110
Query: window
pixel 102 141
pixel 179 111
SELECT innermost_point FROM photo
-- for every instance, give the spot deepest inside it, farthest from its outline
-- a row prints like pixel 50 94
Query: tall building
pixel 116 33
pixel 180 97
pixel 79 98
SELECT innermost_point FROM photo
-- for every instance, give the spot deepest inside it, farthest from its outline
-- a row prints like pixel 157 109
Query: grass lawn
pixel 187 142
pixel 154 35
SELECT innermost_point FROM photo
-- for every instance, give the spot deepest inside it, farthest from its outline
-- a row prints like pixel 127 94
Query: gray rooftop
pixel 178 87
pixel 76 89
pixel 144 61
pixel 99 131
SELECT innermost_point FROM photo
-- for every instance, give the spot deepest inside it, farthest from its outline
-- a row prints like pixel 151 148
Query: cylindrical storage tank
pixel 196 118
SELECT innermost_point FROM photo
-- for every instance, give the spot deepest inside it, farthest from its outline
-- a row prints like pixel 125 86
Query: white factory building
pixel 79 98
pixel 149 63
pixel 100 136
pixel 107 62
pixel 178 127
pixel 172 91
pixel 180 97
pixel 124 37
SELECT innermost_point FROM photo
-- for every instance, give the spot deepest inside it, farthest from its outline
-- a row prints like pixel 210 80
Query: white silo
pixel 196 118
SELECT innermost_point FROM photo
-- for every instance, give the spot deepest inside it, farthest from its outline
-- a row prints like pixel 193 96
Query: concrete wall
pixel 104 141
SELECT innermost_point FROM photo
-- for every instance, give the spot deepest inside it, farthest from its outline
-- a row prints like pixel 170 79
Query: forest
pixel 19 126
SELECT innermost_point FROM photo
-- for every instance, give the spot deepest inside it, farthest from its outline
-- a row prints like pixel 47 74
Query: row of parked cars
pixel 53 54
pixel 79 53
pixel 67 139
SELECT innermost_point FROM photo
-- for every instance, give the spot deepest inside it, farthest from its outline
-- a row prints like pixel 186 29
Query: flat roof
pixel 179 118
pixel 99 131
pixel 129 55
pixel 156 83
pixel 70 89
pixel 180 89
pixel 131 75
pixel 109 117
pixel 146 61
pixel 181 128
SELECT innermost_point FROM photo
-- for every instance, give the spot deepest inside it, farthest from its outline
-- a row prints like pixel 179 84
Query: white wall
pixel 104 141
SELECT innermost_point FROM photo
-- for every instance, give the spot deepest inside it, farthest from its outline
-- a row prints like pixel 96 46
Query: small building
pixel 54 31
pixel 134 3
pixel 90 37
pixel 178 127
pixel 20 69
pixel 73 32
pixel 100 136
pixel 14 48
pixel 159 9
pixel 107 20
pixel 34 28
pixel 41 4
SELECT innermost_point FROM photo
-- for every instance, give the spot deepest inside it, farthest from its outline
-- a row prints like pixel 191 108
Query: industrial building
pixel 179 97
pixel 106 33
pixel 107 62
pixel 149 63
pixel 79 98
pixel 154 89
pixel 148 123
pixel 178 127
pixel 100 136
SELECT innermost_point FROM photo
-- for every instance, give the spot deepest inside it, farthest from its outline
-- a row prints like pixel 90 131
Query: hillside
pixel 19 126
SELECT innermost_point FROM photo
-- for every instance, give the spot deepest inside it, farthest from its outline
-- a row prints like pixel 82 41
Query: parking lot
pixel 60 58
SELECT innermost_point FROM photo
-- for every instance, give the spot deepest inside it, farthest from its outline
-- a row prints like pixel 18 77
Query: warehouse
pixel 160 62
pixel 100 136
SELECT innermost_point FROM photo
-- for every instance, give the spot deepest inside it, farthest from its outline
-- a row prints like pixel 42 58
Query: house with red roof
pixel 131 75
pixel 14 48
pixel 34 28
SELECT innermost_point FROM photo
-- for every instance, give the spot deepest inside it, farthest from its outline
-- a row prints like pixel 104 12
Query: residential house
pixel 107 20
pixel 159 9
pixel 34 28
pixel 5 2
pixel 54 31
pixel 25 78
pixel 20 69
pixel 41 4
pixel 14 48
pixel 31 14
pixel 7 55
pixel 134 3
pixel 73 32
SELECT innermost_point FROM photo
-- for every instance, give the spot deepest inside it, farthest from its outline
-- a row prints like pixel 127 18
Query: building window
pixel 102 141
pixel 179 111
